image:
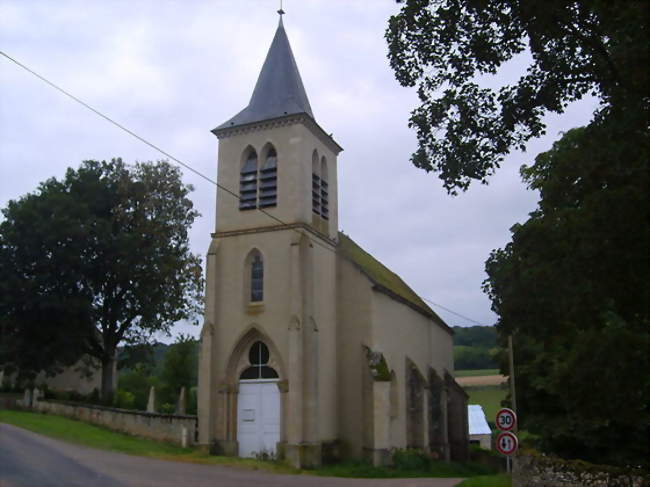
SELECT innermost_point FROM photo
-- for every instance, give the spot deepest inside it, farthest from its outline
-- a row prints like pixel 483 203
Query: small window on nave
pixel 258 357
pixel 248 182
pixel 269 180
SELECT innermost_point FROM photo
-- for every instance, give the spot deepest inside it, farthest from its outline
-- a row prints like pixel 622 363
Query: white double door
pixel 258 417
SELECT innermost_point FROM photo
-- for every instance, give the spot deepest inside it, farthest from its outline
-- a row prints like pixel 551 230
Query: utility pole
pixel 513 396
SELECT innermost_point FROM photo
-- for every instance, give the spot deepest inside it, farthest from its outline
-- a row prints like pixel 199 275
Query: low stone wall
pixel 163 427
pixel 534 470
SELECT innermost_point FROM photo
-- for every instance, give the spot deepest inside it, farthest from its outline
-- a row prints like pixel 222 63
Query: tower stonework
pixel 296 247
pixel 297 315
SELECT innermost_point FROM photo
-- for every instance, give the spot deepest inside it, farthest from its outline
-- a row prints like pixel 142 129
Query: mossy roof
pixel 383 278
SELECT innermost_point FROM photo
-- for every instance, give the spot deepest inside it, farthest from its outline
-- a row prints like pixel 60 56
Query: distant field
pixel 476 373
pixel 488 397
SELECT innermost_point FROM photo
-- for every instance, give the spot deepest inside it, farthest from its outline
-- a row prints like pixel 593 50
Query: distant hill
pixel 475 347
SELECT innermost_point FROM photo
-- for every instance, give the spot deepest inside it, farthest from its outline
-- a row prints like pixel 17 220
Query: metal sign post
pixel 507 442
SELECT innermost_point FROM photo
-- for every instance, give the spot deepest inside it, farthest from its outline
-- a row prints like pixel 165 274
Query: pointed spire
pixel 279 90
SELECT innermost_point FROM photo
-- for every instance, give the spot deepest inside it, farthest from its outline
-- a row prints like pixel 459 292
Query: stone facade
pixel 355 353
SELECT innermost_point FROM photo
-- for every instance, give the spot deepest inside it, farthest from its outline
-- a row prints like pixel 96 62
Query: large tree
pixel 573 287
pixel 450 49
pixel 96 259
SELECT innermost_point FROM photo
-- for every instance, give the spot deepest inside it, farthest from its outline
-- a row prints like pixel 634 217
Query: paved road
pixel 31 460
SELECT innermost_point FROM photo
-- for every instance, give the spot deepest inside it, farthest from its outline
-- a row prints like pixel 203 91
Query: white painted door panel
pixel 258 417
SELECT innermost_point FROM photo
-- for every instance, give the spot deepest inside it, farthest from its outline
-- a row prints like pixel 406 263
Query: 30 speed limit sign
pixel 507 443
pixel 506 419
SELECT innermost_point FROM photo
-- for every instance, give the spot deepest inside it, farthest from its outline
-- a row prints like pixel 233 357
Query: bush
pixel 123 399
pixel 167 408
pixel 411 459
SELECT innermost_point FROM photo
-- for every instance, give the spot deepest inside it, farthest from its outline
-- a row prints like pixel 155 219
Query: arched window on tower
pixel 257 278
pixel 269 180
pixel 248 182
pixel 324 190
pixel 315 184
pixel 258 357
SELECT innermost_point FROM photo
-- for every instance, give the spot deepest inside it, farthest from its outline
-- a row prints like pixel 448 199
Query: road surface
pixel 31 460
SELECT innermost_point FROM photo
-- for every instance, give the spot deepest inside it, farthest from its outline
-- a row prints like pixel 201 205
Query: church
pixel 311 349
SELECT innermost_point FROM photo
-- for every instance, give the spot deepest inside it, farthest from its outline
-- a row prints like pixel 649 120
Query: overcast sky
pixel 173 70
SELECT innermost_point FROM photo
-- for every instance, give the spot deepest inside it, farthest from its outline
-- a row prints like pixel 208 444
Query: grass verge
pixel 476 373
pixel 93 436
pixel 487 481
pixel 434 469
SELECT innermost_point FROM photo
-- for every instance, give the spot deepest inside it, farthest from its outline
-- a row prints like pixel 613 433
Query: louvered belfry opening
pixel 324 191
pixel 269 180
pixel 248 183
pixel 315 184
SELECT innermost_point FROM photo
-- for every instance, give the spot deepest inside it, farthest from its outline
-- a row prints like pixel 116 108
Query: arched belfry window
pixel 248 182
pixel 324 190
pixel 269 180
pixel 315 184
pixel 257 278
pixel 258 357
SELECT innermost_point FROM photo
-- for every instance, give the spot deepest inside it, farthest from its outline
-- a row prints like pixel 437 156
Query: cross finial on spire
pixel 281 12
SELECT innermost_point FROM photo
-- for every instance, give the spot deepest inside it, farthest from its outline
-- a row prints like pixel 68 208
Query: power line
pixel 453 312
pixel 187 166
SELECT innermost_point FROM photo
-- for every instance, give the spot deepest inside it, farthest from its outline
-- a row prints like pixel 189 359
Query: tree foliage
pixel 572 287
pixel 180 367
pixel 450 50
pixel 96 259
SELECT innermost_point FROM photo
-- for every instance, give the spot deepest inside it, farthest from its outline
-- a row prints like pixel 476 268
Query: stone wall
pixel 162 427
pixel 534 470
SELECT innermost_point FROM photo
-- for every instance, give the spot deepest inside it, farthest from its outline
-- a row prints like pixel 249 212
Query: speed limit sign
pixel 506 419
pixel 507 443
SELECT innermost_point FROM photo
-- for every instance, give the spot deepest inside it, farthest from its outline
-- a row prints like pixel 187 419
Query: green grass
pixel 476 373
pixel 489 397
pixel 436 469
pixel 487 481
pixel 97 437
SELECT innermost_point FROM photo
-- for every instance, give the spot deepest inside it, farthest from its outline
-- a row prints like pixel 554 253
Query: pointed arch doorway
pixel 258 405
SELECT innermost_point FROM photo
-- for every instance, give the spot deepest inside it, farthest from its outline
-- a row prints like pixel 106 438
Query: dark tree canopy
pixel 96 259
pixel 448 47
pixel 573 288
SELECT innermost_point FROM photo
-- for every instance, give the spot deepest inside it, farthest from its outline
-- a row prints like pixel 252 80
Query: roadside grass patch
pixel 408 463
pixel 93 436
pixel 476 373
pixel 358 469
pixel 487 481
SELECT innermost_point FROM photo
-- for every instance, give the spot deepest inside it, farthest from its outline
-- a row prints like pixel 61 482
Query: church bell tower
pixel 270 311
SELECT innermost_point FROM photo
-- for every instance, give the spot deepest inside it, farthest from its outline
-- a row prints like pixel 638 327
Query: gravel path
pixel 31 460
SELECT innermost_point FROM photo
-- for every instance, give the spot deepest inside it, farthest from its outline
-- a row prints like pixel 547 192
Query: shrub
pixel 411 459
pixel 167 408
pixel 123 399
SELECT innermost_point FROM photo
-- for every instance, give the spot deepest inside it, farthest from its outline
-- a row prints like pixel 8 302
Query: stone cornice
pixel 276 228
pixel 284 121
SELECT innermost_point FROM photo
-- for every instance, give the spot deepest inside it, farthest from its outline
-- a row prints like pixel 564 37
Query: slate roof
pixel 477 423
pixel 384 279
pixel 279 90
